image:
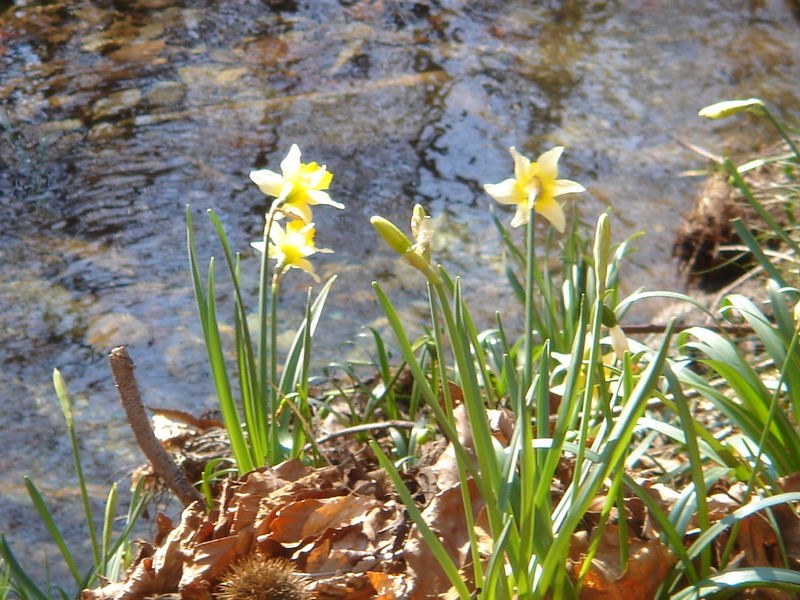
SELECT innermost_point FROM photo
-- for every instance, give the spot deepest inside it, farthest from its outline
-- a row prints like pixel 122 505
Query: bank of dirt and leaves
pixel 584 457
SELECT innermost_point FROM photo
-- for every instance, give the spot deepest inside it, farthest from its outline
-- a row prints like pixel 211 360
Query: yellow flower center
pixel 291 253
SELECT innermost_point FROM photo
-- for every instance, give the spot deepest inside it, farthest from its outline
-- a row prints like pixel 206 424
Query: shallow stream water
pixel 114 115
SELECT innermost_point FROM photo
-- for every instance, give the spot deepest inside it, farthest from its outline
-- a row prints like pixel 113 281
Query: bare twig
pixel 360 429
pixel 122 370
pixel 653 328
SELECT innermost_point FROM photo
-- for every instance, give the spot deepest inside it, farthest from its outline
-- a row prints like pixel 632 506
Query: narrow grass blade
pixel 639 296
pixel 758 207
pixel 727 583
pixel 740 513
pixel 695 462
pixel 20 578
pixel 444 421
pixel 253 403
pixel 47 519
pixel 139 499
pixel 291 372
pixel 386 395
pixel 65 402
pixel 755 249
pixel 108 527
pixel 574 505
pixel 230 413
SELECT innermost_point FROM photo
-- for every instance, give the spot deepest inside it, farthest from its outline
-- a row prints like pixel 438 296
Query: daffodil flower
pixel 298 187
pixel 535 182
pixel 291 246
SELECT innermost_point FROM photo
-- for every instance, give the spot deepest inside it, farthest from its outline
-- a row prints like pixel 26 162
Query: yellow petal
pixel 552 211
pixel 317 177
pixel 565 186
pixel 302 263
pixel 269 182
pixel 548 162
pixel 300 210
pixel 325 180
pixel 505 192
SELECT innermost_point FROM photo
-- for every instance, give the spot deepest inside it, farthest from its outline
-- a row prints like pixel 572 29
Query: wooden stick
pixel 652 328
pixel 122 369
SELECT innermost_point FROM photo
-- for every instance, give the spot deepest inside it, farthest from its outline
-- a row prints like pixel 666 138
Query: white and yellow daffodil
pixel 291 246
pixel 298 187
pixel 535 182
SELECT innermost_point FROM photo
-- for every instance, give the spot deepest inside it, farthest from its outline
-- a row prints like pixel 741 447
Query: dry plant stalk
pixel 122 369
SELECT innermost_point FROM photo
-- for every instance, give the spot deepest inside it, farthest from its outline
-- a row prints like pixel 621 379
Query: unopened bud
pixel 396 239
pixel 720 110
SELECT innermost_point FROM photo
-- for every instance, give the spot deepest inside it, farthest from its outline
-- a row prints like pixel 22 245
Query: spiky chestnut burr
pixel 257 577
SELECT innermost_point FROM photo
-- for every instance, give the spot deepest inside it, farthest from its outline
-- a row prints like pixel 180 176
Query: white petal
pixel 504 192
pixel 258 246
pixel 269 182
pixel 319 197
pixel 522 164
pixel 618 340
pixel 548 162
pixel 553 212
pixel 521 216
pixel 276 233
pixel 565 186
pixel 291 164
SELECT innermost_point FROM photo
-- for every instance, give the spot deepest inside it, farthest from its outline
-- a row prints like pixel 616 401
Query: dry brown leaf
pixel 184 417
pixel 649 561
pixel 341 551
pixel 344 587
pixel 306 518
pixel 159 573
pixel 387 587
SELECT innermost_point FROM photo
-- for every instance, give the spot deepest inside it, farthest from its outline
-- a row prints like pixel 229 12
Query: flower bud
pixel 396 239
pixel 720 110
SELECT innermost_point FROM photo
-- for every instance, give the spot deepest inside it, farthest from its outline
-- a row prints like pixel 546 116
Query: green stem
pixel 266 346
pixel 527 366
pixel 274 388
pixel 782 130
